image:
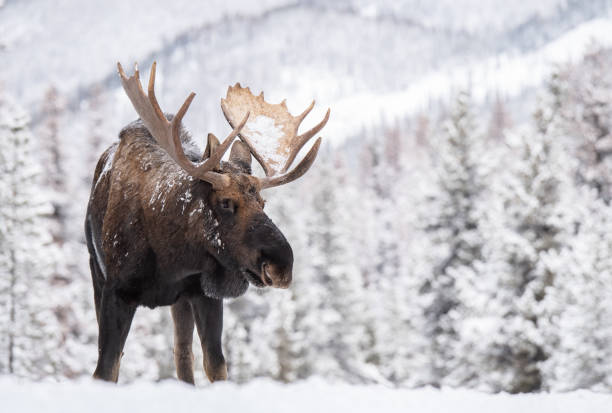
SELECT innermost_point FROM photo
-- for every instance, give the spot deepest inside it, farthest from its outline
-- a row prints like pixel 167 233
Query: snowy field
pixel 267 396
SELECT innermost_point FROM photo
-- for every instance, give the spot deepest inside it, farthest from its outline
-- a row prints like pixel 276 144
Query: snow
pixel 107 164
pixel 370 224
pixel 265 396
pixel 507 73
pixel 266 136
pixel 410 53
pixel 82 25
pixel 477 16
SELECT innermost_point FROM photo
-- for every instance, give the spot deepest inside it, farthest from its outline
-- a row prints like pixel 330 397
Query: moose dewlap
pixel 168 226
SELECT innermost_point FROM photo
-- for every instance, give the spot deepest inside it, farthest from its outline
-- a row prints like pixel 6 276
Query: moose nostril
pixel 272 275
pixel 267 280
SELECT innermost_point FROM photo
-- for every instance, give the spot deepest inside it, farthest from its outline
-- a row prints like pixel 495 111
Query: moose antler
pixel 271 134
pixel 167 133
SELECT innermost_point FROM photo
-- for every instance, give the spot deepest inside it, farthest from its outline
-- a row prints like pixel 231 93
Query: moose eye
pixel 227 204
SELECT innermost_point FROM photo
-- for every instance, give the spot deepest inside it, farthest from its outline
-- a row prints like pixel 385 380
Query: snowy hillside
pixel 367 60
pixel 268 397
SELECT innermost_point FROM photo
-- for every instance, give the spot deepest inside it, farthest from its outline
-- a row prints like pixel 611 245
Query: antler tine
pixel 167 134
pixel 299 141
pixel 152 116
pixel 298 171
pixel 151 91
pixel 215 157
pixel 301 116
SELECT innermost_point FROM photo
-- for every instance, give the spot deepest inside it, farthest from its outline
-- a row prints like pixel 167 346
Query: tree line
pixel 450 250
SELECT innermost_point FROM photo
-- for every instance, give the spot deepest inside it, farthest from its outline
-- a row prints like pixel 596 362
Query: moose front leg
pixel 115 318
pixel 208 314
pixel 183 338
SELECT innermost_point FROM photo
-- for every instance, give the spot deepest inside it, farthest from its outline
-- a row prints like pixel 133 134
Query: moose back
pixel 168 226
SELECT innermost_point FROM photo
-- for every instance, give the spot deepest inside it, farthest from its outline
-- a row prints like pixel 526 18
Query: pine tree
pixel 305 320
pixel 580 98
pixel 575 310
pixel 377 253
pixel 29 328
pixel 343 305
pixel 500 120
pixel 529 224
pixel 53 159
pixel 71 279
pixel 98 128
pixel 452 226
pixel 533 220
pixel 239 354
pixel 577 329
pixel 409 356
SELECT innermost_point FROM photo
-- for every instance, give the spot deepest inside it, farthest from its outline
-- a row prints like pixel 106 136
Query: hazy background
pixel 452 232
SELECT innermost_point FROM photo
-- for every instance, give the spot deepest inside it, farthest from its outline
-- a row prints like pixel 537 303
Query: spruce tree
pixel 29 327
pixel 580 96
pixel 577 327
pixel 452 227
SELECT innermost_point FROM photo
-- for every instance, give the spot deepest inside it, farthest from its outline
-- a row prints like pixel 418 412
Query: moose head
pixel 241 236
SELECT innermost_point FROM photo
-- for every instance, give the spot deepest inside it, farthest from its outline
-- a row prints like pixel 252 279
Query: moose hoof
pixel 216 374
pixel 112 376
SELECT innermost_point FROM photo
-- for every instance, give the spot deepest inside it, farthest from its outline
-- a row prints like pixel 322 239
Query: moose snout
pixel 277 263
pixel 274 276
pixel 275 254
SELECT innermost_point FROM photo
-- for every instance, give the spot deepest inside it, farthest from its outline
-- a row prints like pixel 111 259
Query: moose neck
pixel 178 222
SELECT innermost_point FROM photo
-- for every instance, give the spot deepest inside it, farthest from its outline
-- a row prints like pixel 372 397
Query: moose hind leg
pixel 183 338
pixel 208 314
pixel 115 318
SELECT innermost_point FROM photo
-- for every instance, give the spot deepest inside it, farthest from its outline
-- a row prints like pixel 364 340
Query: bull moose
pixel 168 226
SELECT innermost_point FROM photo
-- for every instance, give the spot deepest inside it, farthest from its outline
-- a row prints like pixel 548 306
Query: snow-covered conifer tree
pixel 532 220
pixel 70 280
pixel 344 301
pixel 52 157
pixel 500 119
pixel 577 327
pixel 29 329
pixel 582 105
pixel 452 224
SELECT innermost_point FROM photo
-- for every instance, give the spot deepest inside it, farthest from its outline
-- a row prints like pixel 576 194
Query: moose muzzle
pixel 275 254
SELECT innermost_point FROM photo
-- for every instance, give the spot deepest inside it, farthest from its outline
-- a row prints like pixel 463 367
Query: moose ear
pixel 240 156
pixel 211 146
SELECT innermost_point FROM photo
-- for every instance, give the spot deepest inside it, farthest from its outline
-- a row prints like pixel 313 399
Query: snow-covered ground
pixel 267 396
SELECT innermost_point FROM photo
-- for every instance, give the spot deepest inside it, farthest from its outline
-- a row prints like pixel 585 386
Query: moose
pixel 168 226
